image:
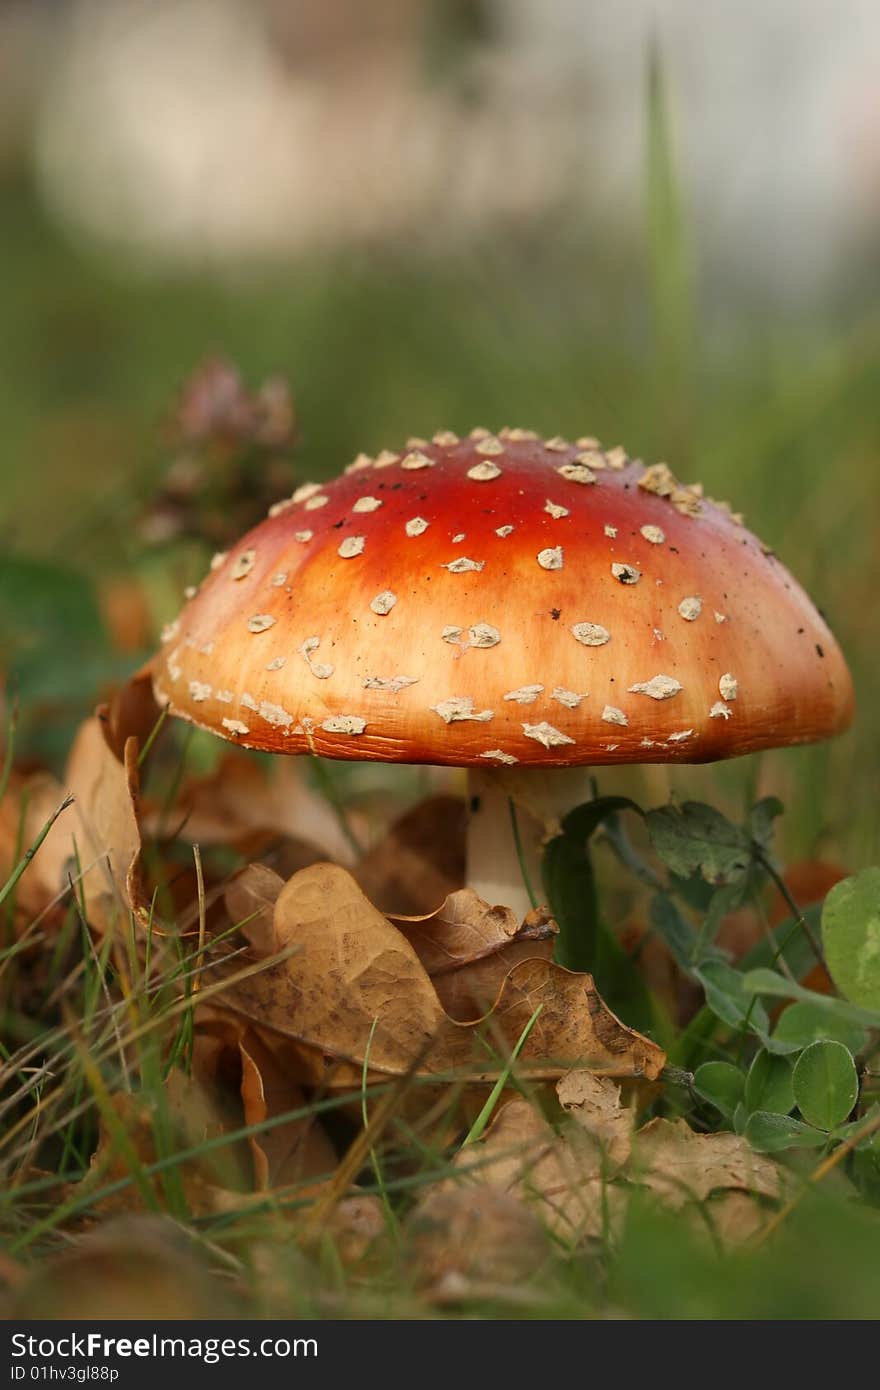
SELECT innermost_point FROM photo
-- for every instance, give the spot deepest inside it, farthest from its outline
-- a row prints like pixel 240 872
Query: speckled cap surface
pixel 500 600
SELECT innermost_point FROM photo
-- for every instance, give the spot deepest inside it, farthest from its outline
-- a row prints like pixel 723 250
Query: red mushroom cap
pixel 504 599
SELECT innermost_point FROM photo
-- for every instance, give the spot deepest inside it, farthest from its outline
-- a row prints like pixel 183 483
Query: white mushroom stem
pixel 496 868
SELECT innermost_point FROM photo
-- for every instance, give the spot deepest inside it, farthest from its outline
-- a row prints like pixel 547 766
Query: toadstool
pixel 504 603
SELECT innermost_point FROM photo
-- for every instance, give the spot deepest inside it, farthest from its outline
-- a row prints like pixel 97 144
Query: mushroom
pixel 504 604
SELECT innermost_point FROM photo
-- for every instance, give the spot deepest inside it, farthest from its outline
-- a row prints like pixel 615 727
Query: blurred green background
pixel 434 215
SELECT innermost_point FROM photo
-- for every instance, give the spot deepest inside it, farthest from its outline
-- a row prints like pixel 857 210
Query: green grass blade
pixel 477 1128
pixel 21 866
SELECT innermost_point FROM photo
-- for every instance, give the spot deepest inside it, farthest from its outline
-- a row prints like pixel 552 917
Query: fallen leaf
pixel 24 810
pixel 420 860
pixel 717 1183
pixel 517 1142
pixel 357 1225
pixel 355 1235
pixel 134 1266
pixel 193 1114
pixel 12 1276
pixel 357 983
pixel 241 803
pixel 249 898
pixel 291 1152
pixel 352 967
pixel 731 1218
pixel 249 807
pixel 561 1176
pixel 97 844
pixel 575 1026
pixel 131 713
pixel 471 1242
pixel 468 948
pixel 681 1165
pixel 594 1103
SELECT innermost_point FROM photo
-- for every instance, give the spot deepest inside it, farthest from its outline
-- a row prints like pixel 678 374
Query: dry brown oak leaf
pixel 249 898
pixel 581 1179
pixel 354 974
pixel 561 1176
pixel 419 860
pixel 472 1242
pixel 245 805
pixel 682 1166
pixel 595 1106
pixel 467 947
pixel 286 1153
pixel 97 844
pixel 127 1144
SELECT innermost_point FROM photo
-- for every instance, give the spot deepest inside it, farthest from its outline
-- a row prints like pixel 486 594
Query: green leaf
pixel 872 1139
pixel 851 936
pixel 696 838
pixel 769 1133
pixel 570 885
pixel 722 1084
pixel 616 837
pixel 695 891
pixel 764 981
pixel 805 1023
pixel 584 820
pixel 768 1084
pixel 788 942
pixel 730 1000
pixel 826 1084
pixel 866 1156
pixel 584 942
pixel 761 818
pixel 674 929
pixel 570 881
pixel 866 1172
pixel 729 897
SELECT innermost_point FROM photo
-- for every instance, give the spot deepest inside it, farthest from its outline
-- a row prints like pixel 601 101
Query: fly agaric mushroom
pixel 504 603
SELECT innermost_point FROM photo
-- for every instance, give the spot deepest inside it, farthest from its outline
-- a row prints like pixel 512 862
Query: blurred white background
pixel 223 130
